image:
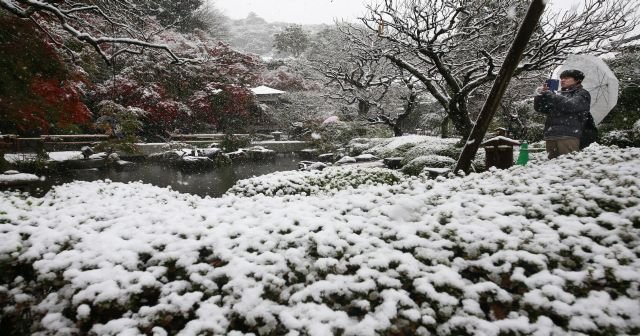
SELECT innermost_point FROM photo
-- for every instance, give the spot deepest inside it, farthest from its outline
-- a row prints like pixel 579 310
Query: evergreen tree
pixel 292 40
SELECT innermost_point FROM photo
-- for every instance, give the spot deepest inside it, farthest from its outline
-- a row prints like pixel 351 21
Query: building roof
pixel 501 139
pixel 265 90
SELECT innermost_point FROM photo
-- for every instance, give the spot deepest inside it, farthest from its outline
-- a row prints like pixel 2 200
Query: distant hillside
pixel 254 34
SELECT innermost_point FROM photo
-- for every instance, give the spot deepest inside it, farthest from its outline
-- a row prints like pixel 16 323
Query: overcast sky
pixel 293 11
pixel 309 11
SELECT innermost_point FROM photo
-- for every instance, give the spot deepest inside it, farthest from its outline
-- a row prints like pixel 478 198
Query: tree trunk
pixel 3 163
pixel 397 130
pixel 408 110
pixel 444 127
pixel 363 108
pixel 459 115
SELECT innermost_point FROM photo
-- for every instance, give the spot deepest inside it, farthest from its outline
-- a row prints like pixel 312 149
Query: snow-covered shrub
pixel 377 131
pixel 329 180
pixel 413 146
pixel 232 142
pixel 37 163
pixel 535 132
pixel 635 133
pixel 331 136
pixel 176 145
pixel 334 135
pixel 550 248
pixel 358 145
pixel 439 148
pixel 620 138
pixel 415 166
pixel 400 146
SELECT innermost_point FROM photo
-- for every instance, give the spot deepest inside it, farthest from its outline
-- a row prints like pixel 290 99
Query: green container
pixel 523 157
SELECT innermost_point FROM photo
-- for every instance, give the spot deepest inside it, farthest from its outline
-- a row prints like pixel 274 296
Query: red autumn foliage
pixel 201 95
pixel 164 114
pixel 38 94
pixel 62 99
pixel 227 107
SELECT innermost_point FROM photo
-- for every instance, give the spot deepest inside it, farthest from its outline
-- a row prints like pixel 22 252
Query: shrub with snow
pixel 620 138
pixel 358 145
pixel 331 136
pixel 440 148
pixel 635 132
pixel 551 248
pixel 415 166
pixel 412 147
pixel 314 182
pixel 415 145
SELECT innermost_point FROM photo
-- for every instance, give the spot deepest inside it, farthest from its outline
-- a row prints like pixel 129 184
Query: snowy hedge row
pixel 547 249
pixel 329 180
pixel 414 145
pixel 417 151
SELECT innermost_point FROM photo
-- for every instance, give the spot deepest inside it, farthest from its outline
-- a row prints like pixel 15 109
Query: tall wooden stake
pixel 528 26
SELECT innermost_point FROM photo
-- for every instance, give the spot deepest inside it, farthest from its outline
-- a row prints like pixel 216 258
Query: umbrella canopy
pixel 599 80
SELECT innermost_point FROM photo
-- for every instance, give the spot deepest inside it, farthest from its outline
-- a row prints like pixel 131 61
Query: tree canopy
pixel 292 40
pixel 38 92
pixel 455 47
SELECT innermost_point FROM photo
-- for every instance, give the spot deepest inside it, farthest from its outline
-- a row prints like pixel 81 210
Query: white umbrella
pixel 599 80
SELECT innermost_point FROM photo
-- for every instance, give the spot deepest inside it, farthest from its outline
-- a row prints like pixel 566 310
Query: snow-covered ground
pixel 547 249
pixel 10 177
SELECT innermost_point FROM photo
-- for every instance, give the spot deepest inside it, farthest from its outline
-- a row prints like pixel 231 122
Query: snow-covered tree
pixel 363 76
pixel 183 15
pixel 626 66
pixel 356 75
pixel 189 96
pixel 252 34
pixel 293 40
pixel 39 93
pixel 455 47
pixel 111 27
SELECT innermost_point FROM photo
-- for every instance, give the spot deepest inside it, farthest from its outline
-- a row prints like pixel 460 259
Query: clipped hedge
pixel 415 166
pixel 329 180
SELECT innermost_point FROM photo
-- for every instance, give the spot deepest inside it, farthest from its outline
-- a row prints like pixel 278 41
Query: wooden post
pixel 3 162
pixel 527 27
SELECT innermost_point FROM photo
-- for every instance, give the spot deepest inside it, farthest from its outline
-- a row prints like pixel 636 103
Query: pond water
pixel 212 183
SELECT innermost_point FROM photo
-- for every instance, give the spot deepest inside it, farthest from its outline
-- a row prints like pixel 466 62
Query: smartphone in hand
pixel 553 84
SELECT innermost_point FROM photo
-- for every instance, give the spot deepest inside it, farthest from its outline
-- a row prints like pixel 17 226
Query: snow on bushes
pixel 620 138
pixel 415 166
pixel 415 148
pixel 549 248
pixel 399 146
pixel 636 129
pixel 329 180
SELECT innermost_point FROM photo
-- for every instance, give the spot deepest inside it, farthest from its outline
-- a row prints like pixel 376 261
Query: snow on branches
pixel 454 47
pixel 111 27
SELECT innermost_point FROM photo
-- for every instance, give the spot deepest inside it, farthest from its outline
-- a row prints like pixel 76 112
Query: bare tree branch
pixel 85 23
pixel 454 47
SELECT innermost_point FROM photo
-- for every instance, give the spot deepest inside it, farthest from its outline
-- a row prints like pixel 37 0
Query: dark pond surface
pixel 212 183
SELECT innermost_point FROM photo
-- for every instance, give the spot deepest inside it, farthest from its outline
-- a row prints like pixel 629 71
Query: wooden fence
pixel 15 144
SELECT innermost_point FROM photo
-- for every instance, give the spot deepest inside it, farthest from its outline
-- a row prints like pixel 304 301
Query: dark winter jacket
pixel 566 111
pixel 589 132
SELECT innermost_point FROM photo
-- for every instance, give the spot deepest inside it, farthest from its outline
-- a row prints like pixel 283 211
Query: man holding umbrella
pixel 567 112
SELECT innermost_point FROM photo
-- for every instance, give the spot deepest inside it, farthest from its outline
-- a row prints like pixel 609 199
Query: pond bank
pixel 213 183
